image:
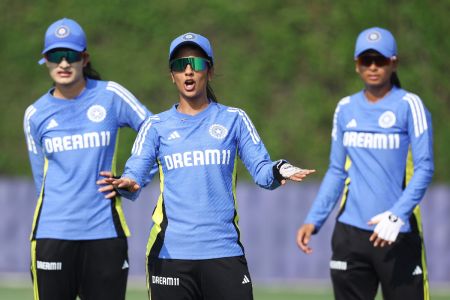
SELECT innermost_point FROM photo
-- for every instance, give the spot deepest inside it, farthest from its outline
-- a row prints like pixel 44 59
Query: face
pixel 66 67
pixel 375 69
pixel 191 84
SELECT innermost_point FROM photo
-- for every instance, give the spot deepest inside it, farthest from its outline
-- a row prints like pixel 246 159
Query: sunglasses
pixel 378 60
pixel 196 63
pixel 70 56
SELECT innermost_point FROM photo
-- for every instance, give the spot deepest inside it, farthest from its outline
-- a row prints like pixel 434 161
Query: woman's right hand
pixel 126 184
pixel 109 184
pixel 304 236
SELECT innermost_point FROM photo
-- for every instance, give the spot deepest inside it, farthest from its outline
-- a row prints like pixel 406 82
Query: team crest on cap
pixel 387 119
pixel 96 113
pixel 374 36
pixel 62 31
pixel 218 131
pixel 189 36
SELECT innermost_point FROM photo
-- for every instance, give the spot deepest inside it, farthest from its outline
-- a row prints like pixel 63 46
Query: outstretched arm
pixel 256 159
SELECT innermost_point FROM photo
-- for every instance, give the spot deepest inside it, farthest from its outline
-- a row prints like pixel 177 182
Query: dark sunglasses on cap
pixel 71 56
pixel 378 60
pixel 196 63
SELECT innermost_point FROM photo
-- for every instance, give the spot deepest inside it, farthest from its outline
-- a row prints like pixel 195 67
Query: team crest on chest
pixel 218 131
pixel 387 119
pixel 96 113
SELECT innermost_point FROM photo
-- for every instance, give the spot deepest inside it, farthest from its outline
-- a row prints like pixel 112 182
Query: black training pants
pixel 357 267
pixel 90 269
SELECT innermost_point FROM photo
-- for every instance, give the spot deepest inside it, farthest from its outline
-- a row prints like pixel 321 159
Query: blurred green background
pixel 287 63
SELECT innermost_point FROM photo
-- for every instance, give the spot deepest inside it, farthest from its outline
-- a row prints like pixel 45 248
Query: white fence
pixel 269 221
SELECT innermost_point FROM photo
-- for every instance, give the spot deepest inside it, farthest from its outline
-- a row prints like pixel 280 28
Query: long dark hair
pixel 395 80
pixel 210 93
pixel 90 72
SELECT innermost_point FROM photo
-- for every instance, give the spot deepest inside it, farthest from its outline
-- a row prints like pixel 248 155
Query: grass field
pixel 22 293
pixel 260 293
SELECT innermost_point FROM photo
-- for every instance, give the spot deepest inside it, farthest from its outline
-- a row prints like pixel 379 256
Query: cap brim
pixel 182 44
pixel 70 46
pixel 383 52
pixel 189 43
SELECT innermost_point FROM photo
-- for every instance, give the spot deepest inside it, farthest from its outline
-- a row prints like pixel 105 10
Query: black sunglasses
pixel 71 56
pixel 378 60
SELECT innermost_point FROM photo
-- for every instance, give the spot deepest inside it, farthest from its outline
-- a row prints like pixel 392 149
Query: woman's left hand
pixel 386 230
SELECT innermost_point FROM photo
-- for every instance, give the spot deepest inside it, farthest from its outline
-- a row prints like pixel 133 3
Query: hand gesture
pixel 110 184
pixel 284 170
pixel 299 174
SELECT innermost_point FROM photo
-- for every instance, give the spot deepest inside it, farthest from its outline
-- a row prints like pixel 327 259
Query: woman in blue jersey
pixel 78 240
pixel 382 162
pixel 194 250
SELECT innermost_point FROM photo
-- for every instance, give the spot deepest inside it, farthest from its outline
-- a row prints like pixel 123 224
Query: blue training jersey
pixel 69 143
pixel 375 148
pixel 196 213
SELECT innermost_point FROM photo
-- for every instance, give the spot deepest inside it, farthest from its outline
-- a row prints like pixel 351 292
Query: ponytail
pixel 90 72
pixel 395 80
pixel 210 93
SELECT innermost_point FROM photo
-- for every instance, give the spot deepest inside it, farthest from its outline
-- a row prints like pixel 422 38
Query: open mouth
pixel 189 85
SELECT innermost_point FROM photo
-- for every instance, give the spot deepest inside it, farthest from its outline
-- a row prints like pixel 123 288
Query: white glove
pixel 284 170
pixel 287 170
pixel 388 226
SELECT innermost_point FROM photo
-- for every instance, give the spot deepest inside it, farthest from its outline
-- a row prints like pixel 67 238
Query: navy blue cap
pixel 192 38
